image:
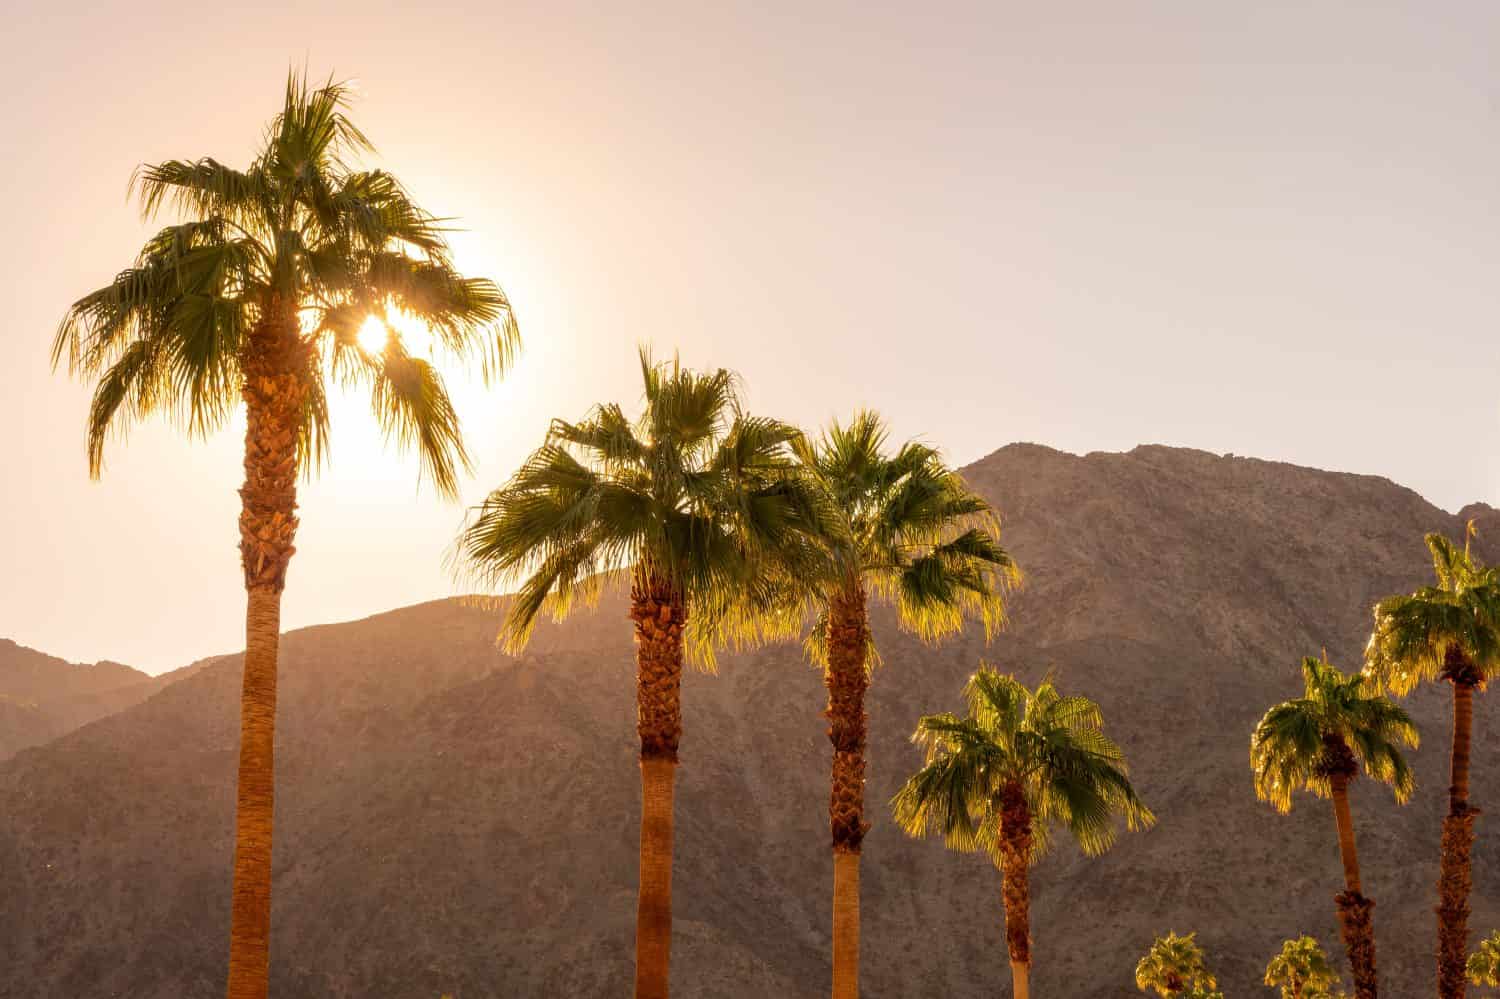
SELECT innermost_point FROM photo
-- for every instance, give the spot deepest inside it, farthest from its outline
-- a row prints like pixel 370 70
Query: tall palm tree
pixel 1448 632
pixel 1175 966
pixel 1318 742
pixel 259 296
pixel 999 778
pixel 1484 964
pixel 686 502
pixel 896 526
pixel 1301 970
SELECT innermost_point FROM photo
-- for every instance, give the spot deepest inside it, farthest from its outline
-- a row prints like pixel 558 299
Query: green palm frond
pixel 1291 747
pixel 902 527
pixel 302 237
pixel 1049 746
pixel 1301 969
pixel 1484 964
pixel 1173 964
pixel 694 491
pixel 1424 635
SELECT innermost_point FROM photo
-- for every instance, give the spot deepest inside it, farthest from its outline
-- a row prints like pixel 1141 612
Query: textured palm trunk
pixel 274 394
pixel 848 724
pixel 1455 877
pixel 1356 924
pixel 1015 867
pixel 659 615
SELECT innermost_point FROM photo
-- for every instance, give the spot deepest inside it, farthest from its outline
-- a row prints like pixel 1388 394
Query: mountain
pixel 43 697
pixel 451 819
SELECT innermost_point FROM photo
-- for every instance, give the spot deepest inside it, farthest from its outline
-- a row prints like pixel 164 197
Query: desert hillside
pixel 43 697
pixel 454 820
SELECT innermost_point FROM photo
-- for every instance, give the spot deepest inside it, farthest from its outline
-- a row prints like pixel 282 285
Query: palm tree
pixel 1484 964
pixel 1318 743
pixel 1448 632
pixel 259 296
pixel 896 527
pixel 1301 970
pixel 1000 778
pixel 686 502
pixel 1175 966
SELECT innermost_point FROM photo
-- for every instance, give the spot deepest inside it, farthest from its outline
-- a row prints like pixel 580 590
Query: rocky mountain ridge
pixel 452 819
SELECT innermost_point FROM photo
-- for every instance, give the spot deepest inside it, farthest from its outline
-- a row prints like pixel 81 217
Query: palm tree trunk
pixel 847 680
pixel 659 615
pixel 1356 925
pixel 1015 866
pixel 1455 872
pixel 846 925
pixel 274 394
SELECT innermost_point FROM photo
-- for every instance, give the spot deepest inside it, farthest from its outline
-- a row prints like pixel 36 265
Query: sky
pixel 1266 229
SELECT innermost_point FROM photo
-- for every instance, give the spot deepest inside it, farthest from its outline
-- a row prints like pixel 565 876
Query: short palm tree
pixel 1175 966
pixel 1449 632
pixel 1001 777
pixel 1484 964
pixel 1301 970
pixel 1317 743
pixel 258 297
pixel 900 527
pixel 686 503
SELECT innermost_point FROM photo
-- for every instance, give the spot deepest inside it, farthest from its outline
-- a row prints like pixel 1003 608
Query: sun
pixel 373 334
pixel 377 331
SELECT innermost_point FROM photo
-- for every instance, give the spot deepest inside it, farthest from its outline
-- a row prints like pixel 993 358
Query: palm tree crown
pixel 1449 631
pixel 1301 970
pixel 694 494
pixel 902 526
pixel 1484 963
pixel 1340 719
pixel 304 242
pixel 1050 747
pixel 1175 965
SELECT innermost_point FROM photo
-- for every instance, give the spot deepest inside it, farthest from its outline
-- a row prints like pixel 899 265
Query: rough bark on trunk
pixel 1355 911
pixel 1454 882
pixel 847 680
pixel 659 615
pixel 1015 865
pixel 1455 876
pixel 274 392
pixel 1357 929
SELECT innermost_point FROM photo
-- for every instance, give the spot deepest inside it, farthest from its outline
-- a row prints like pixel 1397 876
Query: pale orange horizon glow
pixel 1264 231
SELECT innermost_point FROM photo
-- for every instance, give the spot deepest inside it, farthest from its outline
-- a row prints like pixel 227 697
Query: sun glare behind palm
pixel 414 334
pixel 373 335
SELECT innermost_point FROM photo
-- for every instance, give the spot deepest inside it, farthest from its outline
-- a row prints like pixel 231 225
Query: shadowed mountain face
pixel 454 820
pixel 43 697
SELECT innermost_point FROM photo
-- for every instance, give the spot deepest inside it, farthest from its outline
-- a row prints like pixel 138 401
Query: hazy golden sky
pixel 1271 229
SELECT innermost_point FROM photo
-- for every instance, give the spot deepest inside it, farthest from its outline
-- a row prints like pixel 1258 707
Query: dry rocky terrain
pixel 454 820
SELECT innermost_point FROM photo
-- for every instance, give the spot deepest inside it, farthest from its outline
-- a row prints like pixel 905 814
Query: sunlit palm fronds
pixel 1484 964
pixel 302 236
pixel 694 491
pixel 1301 970
pixel 1425 635
pixel 1050 746
pixel 1289 750
pixel 1175 965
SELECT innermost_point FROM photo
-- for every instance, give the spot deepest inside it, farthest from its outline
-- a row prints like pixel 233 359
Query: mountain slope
pixel 454 820
pixel 42 697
